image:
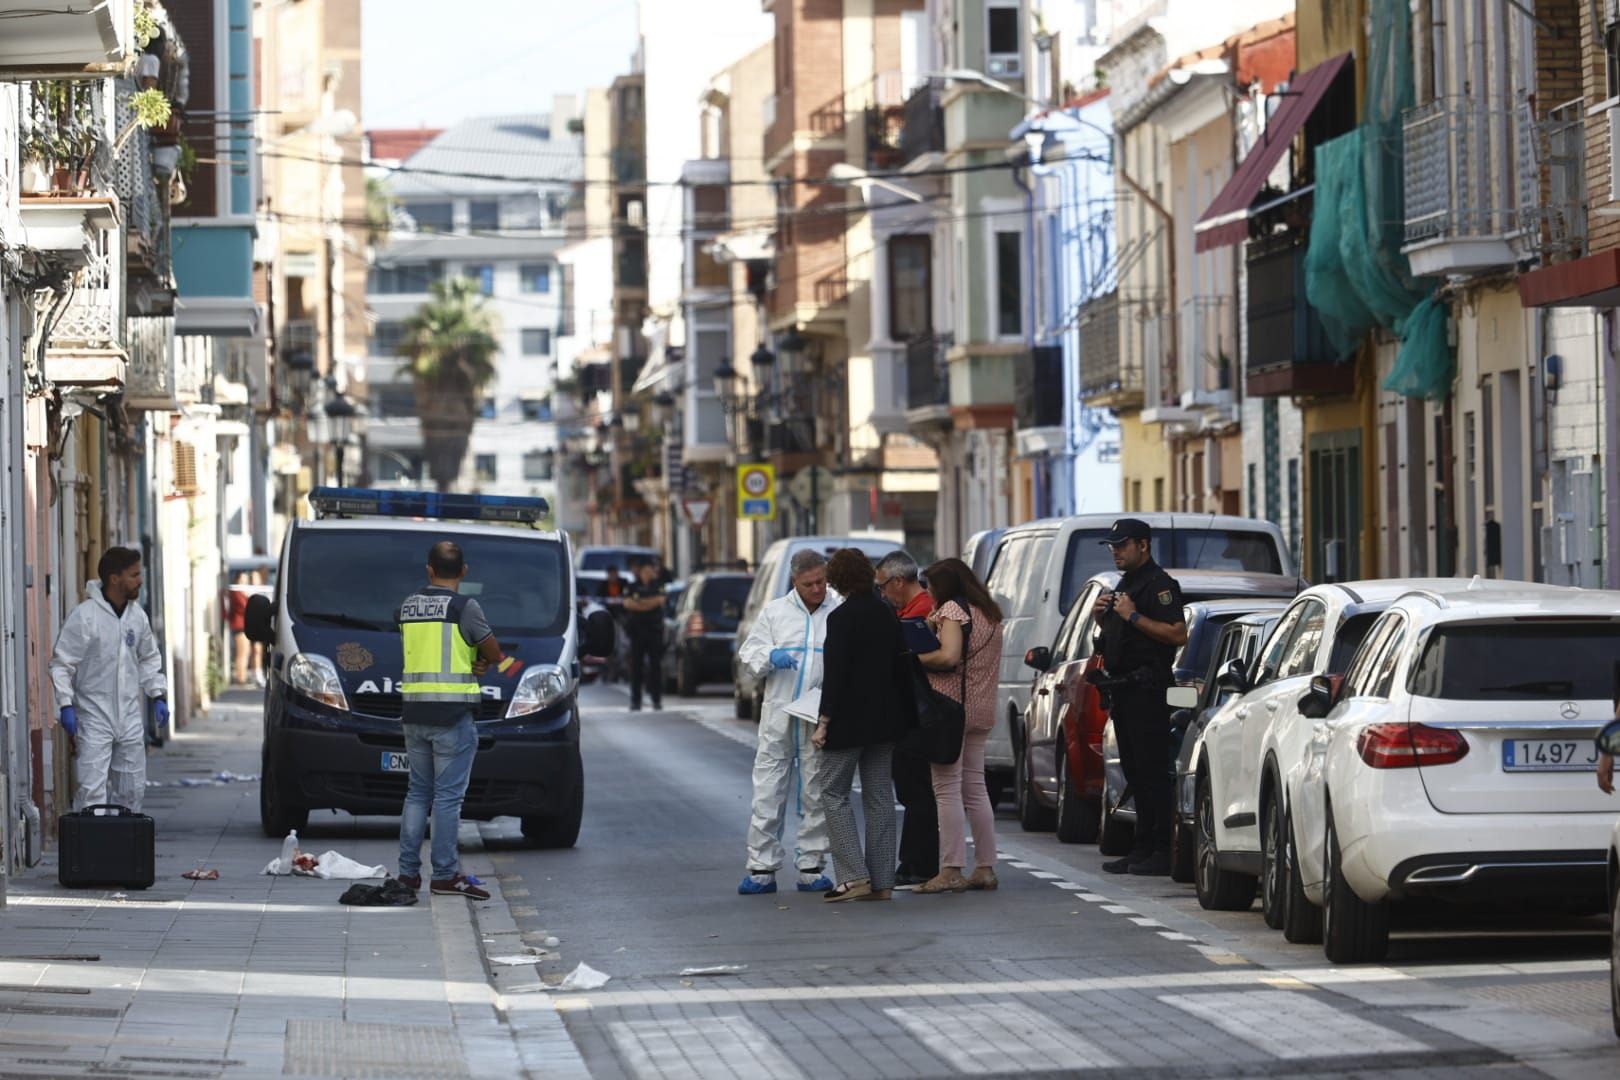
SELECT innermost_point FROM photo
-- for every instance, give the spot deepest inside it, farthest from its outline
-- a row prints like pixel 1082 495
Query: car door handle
pixel 1243 713
pixel 1043 691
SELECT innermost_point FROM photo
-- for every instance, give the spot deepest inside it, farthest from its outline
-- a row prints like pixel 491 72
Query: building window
pixel 483 214
pixel 404 278
pixel 484 275
pixel 710 207
pixel 1002 45
pixel 1158 494
pixel 910 303
pixel 484 468
pixel 537 465
pixel 486 410
pixel 392 401
pixel 535 277
pixel 432 216
pixel 1254 490
pixel 537 408
pixel 1009 286
pixel 537 342
pixel 385 338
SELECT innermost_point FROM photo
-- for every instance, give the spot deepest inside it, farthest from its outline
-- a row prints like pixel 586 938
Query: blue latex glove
pixel 160 709
pixel 783 658
pixel 70 720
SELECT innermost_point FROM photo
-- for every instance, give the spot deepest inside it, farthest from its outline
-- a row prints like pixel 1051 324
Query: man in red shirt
pixel 898 583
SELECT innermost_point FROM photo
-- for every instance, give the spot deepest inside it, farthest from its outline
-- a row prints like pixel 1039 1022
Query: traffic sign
pixel 756 492
pixel 697 511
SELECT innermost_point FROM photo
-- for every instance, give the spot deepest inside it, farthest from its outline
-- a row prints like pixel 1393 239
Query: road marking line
pixel 690 1047
pixel 1070 885
pixel 1176 935
pixel 1044 875
pixel 1145 921
pixel 1120 909
pixel 748 736
pixel 1021 865
pixel 999 1037
pixel 1092 898
pixel 1290 1024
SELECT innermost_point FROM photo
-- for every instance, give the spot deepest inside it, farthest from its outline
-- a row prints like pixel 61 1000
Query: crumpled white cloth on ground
pixel 331 865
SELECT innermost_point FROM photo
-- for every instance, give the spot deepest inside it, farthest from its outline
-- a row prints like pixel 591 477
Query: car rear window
pixel 725 597
pixel 1349 639
pixel 1563 661
pixel 1221 549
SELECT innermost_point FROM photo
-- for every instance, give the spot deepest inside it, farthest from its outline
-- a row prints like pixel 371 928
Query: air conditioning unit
pixel 1010 66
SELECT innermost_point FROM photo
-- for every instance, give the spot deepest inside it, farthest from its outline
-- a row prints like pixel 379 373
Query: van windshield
pixel 1186 549
pixel 359 577
pixel 603 558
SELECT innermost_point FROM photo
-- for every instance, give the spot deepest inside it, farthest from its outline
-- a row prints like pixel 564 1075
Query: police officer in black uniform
pixel 1140 627
pixel 644 622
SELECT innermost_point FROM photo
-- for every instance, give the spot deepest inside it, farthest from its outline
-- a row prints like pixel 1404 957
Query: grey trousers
pixel 877 803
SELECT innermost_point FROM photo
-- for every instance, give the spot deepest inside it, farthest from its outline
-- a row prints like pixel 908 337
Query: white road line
pixel 1176 935
pixel 1070 885
pixel 1143 920
pixel 1119 909
pixel 1292 1024
pixel 999 1037
pixel 1091 898
pixel 1044 875
pixel 701 1047
pixel 1020 865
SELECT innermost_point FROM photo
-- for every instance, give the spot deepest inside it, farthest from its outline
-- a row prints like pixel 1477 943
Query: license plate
pixel 396 761
pixel 1549 755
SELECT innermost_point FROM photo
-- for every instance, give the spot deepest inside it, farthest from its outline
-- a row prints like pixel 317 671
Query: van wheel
pixel 1182 847
pixel 1353 931
pixel 1032 816
pixel 276 816
pixel 1218 890
pixel 1077 816
pixel 1302 920
pixel 559 830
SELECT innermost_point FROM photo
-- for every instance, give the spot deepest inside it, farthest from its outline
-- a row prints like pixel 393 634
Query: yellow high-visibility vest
pixel 438 660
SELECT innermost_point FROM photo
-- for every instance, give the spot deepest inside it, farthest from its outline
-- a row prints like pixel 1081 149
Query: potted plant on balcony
pixel 35 178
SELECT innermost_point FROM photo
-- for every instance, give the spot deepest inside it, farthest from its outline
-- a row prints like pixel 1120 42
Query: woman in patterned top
pixel 961 603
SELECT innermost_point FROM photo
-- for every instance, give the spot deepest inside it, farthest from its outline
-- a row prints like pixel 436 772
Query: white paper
pixel 332 865
pixel 717 969
pixel 583 977
pixel 807 706
pixel 515 960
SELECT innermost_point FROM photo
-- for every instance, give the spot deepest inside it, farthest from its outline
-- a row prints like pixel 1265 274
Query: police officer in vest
pixel 1140 627
pixel 448 645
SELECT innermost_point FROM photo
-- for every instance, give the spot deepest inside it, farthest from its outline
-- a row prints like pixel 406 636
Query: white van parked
pixel 1040 568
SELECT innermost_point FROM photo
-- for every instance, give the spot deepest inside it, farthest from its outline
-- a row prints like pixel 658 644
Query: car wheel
pixel 1353 931
pixel 1218 890
pixel 559 830
pixel 1302 920
pixel 995 785
pixel 686 683
pixel 1032 816
pixel 1077 816
pixel 276 816
pixel 741 704
pixel 1116 836
pixel 1182 848
pixel 1273 868
pixel 1614 959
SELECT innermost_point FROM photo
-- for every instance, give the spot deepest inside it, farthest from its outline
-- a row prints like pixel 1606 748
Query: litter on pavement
pixel 389 894
pixel 329 865
pixel 716 969
pixel 583 977
pixel 201 875
pixel 224 776
pixel 516 960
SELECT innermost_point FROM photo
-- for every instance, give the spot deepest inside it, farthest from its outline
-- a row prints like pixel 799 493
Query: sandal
pixel 983 880
pixel 877 894
pixel 944 885
pixel 849 890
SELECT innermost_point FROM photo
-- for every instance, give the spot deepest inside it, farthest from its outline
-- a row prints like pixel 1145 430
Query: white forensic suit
pixel 106 665
pixel 785 762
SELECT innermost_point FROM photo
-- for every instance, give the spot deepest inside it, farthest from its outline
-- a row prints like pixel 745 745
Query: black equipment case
pixel 106 845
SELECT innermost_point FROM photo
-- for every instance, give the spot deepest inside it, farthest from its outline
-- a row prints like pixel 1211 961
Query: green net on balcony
pixel 1355 275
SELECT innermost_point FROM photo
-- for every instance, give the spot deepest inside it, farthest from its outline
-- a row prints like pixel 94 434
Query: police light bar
pixel 370 502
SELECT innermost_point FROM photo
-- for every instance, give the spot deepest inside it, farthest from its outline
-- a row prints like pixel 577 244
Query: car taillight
pixel 1406 746
pixel 694 623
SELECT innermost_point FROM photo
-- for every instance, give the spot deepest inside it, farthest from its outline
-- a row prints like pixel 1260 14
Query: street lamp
pixel 340 413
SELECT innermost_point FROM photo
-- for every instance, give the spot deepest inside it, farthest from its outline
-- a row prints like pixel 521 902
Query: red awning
pixel 1227 219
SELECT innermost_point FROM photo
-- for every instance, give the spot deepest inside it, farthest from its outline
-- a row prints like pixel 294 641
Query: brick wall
pixel 1603 231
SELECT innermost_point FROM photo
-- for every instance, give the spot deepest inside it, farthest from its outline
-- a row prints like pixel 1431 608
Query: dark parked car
pixel 703 634
pixel 1206 622
pixel 1059 775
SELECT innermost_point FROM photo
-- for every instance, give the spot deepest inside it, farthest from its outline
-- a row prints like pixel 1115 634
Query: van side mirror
pixel 1608 740
pixel 259 620
pixel 1181 697
pixel 599 637
pixel 1039 658
pixel 1321 697
pixel 1232 676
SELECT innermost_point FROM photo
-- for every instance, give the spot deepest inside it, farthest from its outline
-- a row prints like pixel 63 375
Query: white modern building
pixel 484 200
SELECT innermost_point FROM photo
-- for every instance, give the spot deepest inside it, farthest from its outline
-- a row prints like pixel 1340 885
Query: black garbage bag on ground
pixel 389 894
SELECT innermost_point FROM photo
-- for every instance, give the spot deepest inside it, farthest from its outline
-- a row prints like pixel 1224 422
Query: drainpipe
pixel 1021 178
pixel 1170 264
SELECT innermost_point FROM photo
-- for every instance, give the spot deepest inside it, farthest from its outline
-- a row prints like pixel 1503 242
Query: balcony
pixel 922 132
pixel 87 40
pixel 1208 347
pixel 1552 181
pixel 928 385
pixel 1108 379
pixel 1038 389
pixel 1289 354
pixel 86 343
pixel 885 119
pixel 149 341
pixel 144 201
pixel 1461 165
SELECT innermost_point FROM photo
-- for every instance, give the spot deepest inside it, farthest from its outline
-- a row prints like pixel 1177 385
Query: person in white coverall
pixel 105 665
pixel 784 646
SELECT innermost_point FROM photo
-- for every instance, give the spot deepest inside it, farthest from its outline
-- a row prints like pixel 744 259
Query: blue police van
pixel 332 707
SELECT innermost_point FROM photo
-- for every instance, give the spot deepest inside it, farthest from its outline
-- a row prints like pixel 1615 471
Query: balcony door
pixel 1335 506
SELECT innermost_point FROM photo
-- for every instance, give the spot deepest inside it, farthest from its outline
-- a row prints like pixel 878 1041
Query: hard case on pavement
pixel 106 845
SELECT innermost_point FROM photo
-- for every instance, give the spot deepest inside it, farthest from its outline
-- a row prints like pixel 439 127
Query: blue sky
pixel 431 62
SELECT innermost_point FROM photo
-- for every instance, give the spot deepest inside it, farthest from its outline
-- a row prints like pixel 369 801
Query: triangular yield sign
pixel 697 510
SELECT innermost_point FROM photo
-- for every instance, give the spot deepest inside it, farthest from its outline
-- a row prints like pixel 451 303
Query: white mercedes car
pixel 1456 759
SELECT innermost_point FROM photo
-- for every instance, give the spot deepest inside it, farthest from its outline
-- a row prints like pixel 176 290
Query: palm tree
pixel 450 346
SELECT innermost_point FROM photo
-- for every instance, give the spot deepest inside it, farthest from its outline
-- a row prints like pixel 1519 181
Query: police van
pixel 332 707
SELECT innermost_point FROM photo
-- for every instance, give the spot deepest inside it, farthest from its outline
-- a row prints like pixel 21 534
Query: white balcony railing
pixel 149 341
pixel 94 318
pixel 1208 345
pixel 1461 171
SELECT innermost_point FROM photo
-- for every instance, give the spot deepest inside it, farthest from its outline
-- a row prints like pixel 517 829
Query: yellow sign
pixel 756 492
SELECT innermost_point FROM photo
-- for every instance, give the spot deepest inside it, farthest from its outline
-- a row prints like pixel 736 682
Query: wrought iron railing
pixel 94 317
pixel 146 215
pixel 149 344
pixel 923 130
pixel 1460 169
pixel 1552 180
pixel 1103 366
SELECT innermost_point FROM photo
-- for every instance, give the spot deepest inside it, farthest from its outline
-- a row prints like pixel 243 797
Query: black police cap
pixel 1128 529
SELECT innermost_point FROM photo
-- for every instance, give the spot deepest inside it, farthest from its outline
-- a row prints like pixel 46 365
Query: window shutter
pixel 1614 153
pixel 185 468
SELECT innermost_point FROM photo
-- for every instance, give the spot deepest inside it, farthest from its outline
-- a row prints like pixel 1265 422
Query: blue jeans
pixel 441 763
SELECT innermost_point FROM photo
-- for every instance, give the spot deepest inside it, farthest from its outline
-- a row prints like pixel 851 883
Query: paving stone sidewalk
pixel 250 975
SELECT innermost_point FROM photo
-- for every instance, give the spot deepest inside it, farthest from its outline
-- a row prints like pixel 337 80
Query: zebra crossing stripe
pixel 999 1037
pixel 700 1048
pixel 1292 1024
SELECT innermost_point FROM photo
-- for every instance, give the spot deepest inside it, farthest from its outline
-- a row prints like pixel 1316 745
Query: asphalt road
pixel 1062 970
